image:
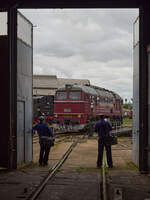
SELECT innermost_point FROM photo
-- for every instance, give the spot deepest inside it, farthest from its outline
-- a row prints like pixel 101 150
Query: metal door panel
pixel 24 85
pixel 135 131
pixel 20 132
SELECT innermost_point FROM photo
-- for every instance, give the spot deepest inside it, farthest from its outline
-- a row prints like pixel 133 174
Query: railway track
pixel 124 145
pixel 54 169
pixel 36 139
pixel 104 184
pixel 34 195
pixel 125 131
pixel 52 172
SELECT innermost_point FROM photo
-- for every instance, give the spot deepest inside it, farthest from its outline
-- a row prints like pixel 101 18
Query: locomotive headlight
pixel 92 105
pixel 79 116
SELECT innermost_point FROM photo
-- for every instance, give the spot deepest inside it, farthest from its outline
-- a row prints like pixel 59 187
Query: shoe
pixel 110 166
pixel 45 164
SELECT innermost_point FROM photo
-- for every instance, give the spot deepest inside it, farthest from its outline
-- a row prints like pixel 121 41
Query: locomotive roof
pixel 84 88
pixel 103 92
pixel 94 90
pixel 106 93
pixel 116 95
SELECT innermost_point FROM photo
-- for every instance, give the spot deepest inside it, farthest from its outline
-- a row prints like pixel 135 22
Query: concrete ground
pixel 20 183
pixel 78 178
pixel 125 175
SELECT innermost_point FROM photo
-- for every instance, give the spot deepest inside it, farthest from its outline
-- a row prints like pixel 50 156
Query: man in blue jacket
pixel 103 128
pixel 46 138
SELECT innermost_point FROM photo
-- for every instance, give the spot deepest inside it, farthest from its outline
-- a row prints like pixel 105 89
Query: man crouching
pixel 46 140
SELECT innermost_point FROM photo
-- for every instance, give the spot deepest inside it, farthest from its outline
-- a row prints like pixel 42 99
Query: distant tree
pixel 130 105
pixel 126 106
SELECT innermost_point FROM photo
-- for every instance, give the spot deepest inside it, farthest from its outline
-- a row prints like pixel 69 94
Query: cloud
pixel 95 44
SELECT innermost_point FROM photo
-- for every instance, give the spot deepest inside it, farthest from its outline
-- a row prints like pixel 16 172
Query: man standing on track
pixel 46 139
pixel 103 128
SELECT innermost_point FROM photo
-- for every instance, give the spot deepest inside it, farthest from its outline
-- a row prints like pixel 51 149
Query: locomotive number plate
pixel 67 110
pixel 67 117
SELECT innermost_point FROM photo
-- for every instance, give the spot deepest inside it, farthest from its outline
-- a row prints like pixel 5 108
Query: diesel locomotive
pixel 77 105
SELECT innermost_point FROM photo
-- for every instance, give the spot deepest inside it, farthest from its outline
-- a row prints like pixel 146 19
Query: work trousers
pixel 44 152
pixel 101 145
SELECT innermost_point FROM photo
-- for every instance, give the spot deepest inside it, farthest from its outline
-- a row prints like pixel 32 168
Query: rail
pixel 51 173
pixel 104 184
pixel 36 139
pixel 124 145
pixel 104 191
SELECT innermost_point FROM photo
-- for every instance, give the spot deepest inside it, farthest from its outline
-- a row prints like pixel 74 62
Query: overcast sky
pixel 94 44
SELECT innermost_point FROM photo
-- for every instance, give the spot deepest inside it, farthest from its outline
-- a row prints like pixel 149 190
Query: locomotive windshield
pixel 75 95
pixel 61 95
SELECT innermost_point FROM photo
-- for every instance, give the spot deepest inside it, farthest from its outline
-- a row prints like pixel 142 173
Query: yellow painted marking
pixel 68 113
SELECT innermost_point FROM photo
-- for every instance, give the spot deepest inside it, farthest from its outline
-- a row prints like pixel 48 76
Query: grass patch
pixel 131 165
pixel 83 169
pixel 105 168
pixel 93 137
pixel 127 121
pixel 3 170
pixel 58 170
pixel 29 165
pixel 124 138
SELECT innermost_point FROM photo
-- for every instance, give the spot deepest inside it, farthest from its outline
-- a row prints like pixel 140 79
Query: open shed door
pixel 16 53
pixel 135 132
pixel 24 89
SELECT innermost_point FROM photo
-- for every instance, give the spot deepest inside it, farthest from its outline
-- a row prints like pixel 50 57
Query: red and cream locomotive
pixel 75 105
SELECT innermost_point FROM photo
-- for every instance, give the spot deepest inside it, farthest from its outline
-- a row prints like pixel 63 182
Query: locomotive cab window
pixel 75 95
pixel 87 97
pixel 61 95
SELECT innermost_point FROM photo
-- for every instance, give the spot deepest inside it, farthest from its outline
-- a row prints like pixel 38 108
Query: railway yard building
pixel 48 84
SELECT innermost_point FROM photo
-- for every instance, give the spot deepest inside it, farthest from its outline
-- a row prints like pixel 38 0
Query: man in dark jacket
pixel 46 138
pixel 103 128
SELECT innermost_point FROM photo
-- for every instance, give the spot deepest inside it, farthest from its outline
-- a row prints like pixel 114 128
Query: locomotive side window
pixel 75 95
pixel 87 97
pixel 61 95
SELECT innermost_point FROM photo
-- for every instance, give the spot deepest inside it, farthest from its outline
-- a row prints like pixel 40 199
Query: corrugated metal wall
pixel 135 152
pixel 24 90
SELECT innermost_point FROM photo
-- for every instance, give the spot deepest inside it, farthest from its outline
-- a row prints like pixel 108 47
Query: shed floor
pixel 78 178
